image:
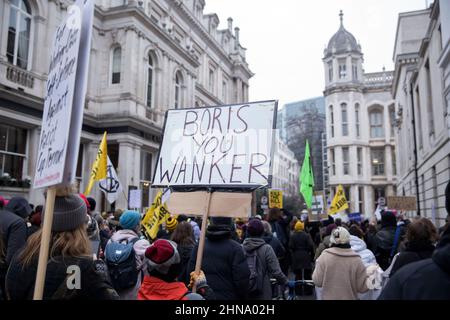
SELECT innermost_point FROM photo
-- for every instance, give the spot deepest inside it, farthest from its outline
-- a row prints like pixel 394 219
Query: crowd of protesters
pixel 259 258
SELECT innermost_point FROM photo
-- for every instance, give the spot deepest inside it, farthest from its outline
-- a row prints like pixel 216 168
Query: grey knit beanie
pixel 70 212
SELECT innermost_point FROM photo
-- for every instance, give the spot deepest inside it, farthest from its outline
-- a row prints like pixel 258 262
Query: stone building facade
pixel 147 56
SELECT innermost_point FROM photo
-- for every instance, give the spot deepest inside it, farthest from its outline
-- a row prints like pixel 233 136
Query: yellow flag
pixel 339 202
pixel 155 216
pixel 99 168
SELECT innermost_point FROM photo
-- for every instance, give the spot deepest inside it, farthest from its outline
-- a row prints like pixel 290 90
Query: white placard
pixel 64 98
pixel 217 146
pixel 135 199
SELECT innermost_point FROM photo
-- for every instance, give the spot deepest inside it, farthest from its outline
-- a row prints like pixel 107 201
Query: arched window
pixel 332 121
pixel 344 115
pixel 19 30
pixel 178 90
pixel 357 119
pixel 116 64
pixel 150 79
pixel 376 123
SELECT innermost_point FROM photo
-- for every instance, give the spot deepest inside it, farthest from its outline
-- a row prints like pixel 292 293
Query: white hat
pixel 340 235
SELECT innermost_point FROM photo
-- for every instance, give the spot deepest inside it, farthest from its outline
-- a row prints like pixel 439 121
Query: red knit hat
pixel 161 255
pixel 85 201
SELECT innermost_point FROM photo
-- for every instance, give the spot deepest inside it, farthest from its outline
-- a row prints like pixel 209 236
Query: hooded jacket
pixel 302 248
pixel 414 251
pixel 427 279
pixel 224 264
pixel 270 266
pixel 139 248
pixel 359 246
pixel 276 245
pixel 153 288
pixel 340 273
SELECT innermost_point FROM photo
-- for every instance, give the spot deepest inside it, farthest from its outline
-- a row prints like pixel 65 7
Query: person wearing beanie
pixel 325 244
pixel 70 246
pixel 130 233
pixel 339 271
pixel 224 262
pixel 383 242
pixel 163 266
pixel 301 247
pixel 269 267
pixel 171 225
pixel 13 228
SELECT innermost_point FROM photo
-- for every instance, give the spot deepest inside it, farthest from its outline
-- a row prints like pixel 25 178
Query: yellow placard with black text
pixel 275 199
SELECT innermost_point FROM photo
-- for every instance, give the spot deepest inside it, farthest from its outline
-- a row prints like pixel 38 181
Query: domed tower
pixel 343 59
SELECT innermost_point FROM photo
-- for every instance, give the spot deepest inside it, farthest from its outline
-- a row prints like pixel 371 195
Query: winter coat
pixel 196 230
pixel 139 248
pixel 269 265
pixel 280 230
pixel 413 252
pixel 340 273
pixel 276 245
pixel 185 255
pixel 359 246
pixel 427 279
pixel 153 288
pixel 302 251
pixel 14 230
pixel 325 244
pixel 94 283
pixel 224 264
pixel 382 245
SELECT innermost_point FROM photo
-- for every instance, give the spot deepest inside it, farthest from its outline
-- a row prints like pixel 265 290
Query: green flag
pixel 307 178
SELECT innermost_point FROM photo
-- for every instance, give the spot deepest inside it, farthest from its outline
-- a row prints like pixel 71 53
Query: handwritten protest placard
pixel 402 203
pixel 135 199
pixel 276 199
pixel 217 146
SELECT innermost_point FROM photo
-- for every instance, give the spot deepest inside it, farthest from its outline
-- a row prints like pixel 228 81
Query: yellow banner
pixel 339 202
pixel 276 199
pixel 99 168
pixel 155 216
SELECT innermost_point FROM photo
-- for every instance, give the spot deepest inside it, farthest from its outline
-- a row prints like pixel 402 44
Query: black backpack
pixel 256 280
pixel 120 258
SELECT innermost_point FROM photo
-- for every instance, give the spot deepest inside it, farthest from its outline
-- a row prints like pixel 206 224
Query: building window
pixel 224 91
pixel 332 121
pixel 150 79
pixel 418 119
pixel 344 119
pixel 377 155
pixel 394 163
pixel 361 199
pixel 333 164
pixel 330 71
pixel 376 124
pixel 359 160
pixel 354 69
pixel 79 170
pixel 12 152
pixel 379 192
pixel 347 196
pixel 178 90
pixel 357 119
pixel 342 69
pixel 146 176
pixel 18 47
pixel 211 80
pixel 430 114
pixel 345 160
pixel 116 64
pixel 392 119
pixel 435 189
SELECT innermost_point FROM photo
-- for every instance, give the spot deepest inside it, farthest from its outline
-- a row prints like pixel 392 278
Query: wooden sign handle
pixel 201 244
pixel 45 244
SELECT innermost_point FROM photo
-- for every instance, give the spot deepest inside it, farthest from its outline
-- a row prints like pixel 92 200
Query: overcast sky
pixel 285 39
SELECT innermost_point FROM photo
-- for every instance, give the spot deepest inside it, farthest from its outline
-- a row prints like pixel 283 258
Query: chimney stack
pixel 236 34
pixel 230 25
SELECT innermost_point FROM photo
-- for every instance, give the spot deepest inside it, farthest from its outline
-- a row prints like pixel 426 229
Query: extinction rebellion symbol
pixel 110 184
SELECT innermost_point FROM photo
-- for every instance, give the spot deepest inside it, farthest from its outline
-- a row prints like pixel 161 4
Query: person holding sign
pixel 72 271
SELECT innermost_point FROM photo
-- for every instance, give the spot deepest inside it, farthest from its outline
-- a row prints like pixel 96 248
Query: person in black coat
pixel 224 262
pixel 427 279
pixel 276 245
pixel 72 272
pixel 420 236
pixel 183 236
pixel 14 232
pixel 302 253
pixel 383 240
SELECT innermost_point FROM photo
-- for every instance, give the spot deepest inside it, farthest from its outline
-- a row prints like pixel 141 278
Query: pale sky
pixel 285 39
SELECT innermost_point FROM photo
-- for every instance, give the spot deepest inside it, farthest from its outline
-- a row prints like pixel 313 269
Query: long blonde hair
pixel 74 243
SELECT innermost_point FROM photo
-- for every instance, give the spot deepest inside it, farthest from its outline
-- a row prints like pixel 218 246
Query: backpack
pixel 120 258
pixel 256 280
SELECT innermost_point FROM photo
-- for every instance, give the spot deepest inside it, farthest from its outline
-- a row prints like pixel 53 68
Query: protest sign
pixel 217 146
pixel 62 116
pixel 275 199
pixel 402 203
pixel 318 208
pixel 155 216
pixel 135 199
pixel 339 202
pixel 355 216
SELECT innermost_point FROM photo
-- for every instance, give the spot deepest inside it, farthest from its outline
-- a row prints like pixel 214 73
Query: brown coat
pixel 341 274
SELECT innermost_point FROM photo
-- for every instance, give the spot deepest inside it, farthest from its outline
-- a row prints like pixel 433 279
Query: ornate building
pixel 421 90
pixel 360 118
pixel 146 57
